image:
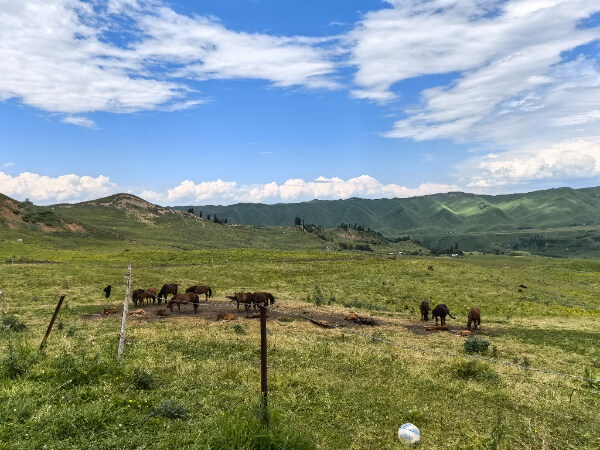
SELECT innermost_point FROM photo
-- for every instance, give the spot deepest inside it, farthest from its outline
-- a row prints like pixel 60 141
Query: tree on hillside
pixel 190 210
pixel 298 221
pixel 200 214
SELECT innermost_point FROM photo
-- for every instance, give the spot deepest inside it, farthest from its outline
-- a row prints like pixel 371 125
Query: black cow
pixel 107 290
pixel 441 311
pixel 425 310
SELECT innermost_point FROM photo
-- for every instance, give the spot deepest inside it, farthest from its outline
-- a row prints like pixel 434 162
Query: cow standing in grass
pixel 474 318
pixel 441 311
pixel 166 290
pixel 425 308
pixel 241 297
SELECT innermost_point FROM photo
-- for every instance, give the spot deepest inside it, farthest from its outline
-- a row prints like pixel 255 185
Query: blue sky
pixel 222 101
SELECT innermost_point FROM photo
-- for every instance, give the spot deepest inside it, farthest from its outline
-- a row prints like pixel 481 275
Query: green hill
pixel 557 222
pixel 125 222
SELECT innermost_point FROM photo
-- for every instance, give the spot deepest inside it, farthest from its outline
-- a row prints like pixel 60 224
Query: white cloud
pixel 44 189
pixel 292 190
pixel 56 56
pixel 417 38
pixel 564 161
pixel 79 121
pixel 9 164
pixel 514 81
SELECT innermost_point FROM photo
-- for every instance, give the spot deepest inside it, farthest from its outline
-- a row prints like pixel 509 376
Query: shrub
pixel 142 379
pixel 239 329
pixel 171 410
pixel 474 370
pixel 316 297
pixel 476 344
pixel 12 323
pixel 16 361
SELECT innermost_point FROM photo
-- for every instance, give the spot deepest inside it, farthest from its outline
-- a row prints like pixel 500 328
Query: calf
pixel 474 318
pixel 425 310
pixel 441 311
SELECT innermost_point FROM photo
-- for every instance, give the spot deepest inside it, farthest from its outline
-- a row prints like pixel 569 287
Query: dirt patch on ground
pixel 74 227
pixel 10 215
pixel 419 328
pixel 211 310
pixel 47 228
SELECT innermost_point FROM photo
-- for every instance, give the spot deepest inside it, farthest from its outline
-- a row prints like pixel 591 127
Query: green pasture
pixel 193 382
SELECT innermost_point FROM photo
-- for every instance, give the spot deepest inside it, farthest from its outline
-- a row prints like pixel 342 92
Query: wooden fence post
pixel 263 361
pixel 60 302
pixel 125 312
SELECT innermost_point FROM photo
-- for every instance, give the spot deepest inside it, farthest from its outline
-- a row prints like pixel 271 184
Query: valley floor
pixel 192 381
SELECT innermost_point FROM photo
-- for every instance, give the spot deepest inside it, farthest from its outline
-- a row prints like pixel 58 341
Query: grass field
pixel 192 382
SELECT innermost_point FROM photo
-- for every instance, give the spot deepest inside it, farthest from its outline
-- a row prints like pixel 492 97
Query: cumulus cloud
pixel 292 190
pixel 564 161
pixel 58 56
pixel 515 80
pixel 64 188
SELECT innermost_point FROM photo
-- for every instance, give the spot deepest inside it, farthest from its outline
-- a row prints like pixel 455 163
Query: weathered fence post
pixel 60 302
pixel 125 312
pixel 263 361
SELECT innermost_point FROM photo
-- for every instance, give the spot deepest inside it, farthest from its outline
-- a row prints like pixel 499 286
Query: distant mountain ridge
pixel 458 211
pixel 476 222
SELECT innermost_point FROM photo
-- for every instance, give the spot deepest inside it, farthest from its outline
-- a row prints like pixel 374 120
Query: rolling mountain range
pixel 122 222
pixel 557 222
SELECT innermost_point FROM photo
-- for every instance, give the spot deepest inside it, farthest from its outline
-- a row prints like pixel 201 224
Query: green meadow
pixel 193 382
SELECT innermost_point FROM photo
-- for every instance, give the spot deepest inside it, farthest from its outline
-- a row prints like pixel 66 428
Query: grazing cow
pixel 136 296
pixel 474 318
pixel 148 293
pixel 200 290
pixel 441 311
pixel 425 310
pixel 188 297
pixel 166 290
pixel 107 290
pixel 241 297
pixel 262 298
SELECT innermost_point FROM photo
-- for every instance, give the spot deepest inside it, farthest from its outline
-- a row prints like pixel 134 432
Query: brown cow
pixel 148 293
pixel 425 310
pixel 200 290
pixel 262 298
pixel 136 296
pixel 188 297
pixel 241 297
pixel 474 318
pixel 107 311
pixel 166 290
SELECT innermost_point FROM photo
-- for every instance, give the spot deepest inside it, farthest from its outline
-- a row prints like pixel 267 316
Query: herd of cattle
pixel 141 297
pixel 441 311
pixel 254 299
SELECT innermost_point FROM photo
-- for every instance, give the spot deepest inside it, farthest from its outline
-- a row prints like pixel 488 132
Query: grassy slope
pixel 566 220
pixel 124 223
pixel 329 389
